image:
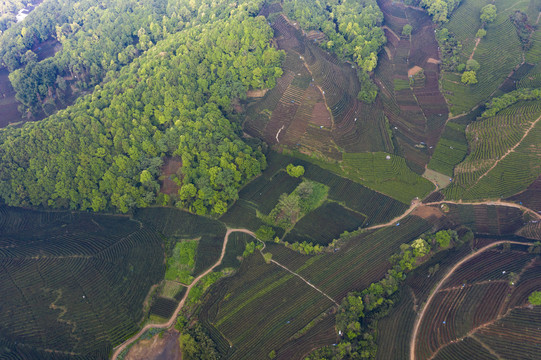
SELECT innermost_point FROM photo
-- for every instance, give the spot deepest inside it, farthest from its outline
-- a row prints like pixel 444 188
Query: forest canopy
pixel 105 152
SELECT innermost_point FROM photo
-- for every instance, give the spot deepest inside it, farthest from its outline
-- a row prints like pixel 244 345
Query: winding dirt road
pixel 419 318
pixel 171 321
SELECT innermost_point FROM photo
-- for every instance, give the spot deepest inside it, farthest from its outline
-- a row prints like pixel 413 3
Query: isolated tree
pixel 481 33
pixel 535 298
pixel 295 171
pixel 488 13
pixel 469 78
pixel 472 65
pixel 406 30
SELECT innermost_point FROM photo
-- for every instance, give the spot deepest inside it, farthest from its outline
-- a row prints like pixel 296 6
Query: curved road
pixel 171 321
pixel 419 318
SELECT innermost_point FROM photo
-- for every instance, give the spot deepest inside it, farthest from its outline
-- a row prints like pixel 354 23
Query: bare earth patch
pixel 165 348
pixel 169 169
pixel 433 61
pixel 256 93
pixel 427 212
pixel 414 70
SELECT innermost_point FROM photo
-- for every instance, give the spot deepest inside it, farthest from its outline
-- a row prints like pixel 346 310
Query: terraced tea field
pixel 504 154
pixel 73 284
pixel 485 300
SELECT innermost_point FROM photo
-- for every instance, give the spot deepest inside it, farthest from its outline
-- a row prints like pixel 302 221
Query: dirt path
pixel 508 151
pixel 278 133
pixel 475 48
pixel 493 202
pixel 173 318
pixel 412 207
pixel 419 318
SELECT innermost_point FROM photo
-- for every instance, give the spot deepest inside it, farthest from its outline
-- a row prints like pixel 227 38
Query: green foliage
pixel 291 207
pixel 450 49
pixel 440 10
pixel 472 65
pixel 295 171
pixel 272 354
pixel 469 77
pixel 535 298
pixel 170 101
pixel 497 104
pixel 267 257
pixel 196 344
pixel 180 265
pixel 481 33
pixel 265 233
pixel 406 30
pixel 488 13
pixel 250 247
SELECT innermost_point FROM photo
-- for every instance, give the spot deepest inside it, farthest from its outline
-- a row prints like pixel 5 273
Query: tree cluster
pixel 450 49
pixel 8 12
pixel 499 103
pixel 105 152
pixel 196 344
pixel 524 29
pixel 359 312
pixel 440 10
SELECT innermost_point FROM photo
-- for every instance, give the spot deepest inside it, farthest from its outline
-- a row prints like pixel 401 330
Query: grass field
pixel 72 282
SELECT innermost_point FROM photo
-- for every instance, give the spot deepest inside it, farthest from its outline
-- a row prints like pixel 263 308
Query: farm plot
pixel 388 174
pixel 261 308
pixel 417 111
pixel 73 283
pixel 501 39
pixel 314 106
pixel 503 157
pixel 359 262
pixel 531 197
pixel 451 149
pixel 177 225
pixel 475 303
pixel 330 220
pixel 486 219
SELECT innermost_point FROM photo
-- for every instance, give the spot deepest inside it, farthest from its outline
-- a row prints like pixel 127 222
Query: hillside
pixel 270 179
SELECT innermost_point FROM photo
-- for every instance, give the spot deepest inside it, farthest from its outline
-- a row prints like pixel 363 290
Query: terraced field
pixel 484 301
pixel 501 39
pixel 73 284
pixel 416 113
pixel 504 154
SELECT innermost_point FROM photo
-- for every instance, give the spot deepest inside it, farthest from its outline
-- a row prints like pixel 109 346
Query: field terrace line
pixel 449 273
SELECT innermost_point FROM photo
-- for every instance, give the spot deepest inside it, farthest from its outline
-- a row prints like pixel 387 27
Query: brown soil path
pixel 508 151
pixel 475 48
pixel 490 202
pixel 419 318
pixel 173 318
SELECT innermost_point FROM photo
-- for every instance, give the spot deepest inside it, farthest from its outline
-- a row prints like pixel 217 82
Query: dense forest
pixel 8 12
pixel 105 152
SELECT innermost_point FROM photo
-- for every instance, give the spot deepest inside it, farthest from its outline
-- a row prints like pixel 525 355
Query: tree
pixel 469 77
pixel 472 65
pixel 535 298
pixel 420 248
pixel 406 30
pixel 267 257
pixel 265 233
pixel 481 33
pixel 488 13
pixel 295 171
